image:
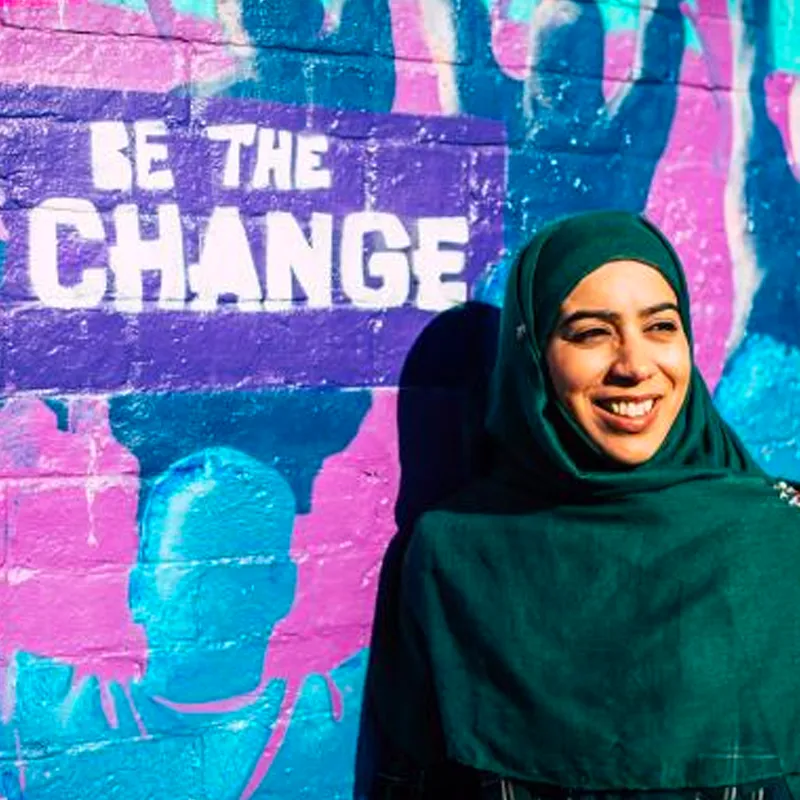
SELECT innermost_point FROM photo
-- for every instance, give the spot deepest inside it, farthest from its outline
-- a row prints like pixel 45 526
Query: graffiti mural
pixel 186 237
pixel 224 224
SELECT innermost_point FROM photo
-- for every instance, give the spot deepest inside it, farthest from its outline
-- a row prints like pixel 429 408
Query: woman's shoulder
pixel 739 500
pixel 787 490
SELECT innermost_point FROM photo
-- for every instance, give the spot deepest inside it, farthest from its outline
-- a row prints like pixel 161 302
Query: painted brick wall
pixel 225 225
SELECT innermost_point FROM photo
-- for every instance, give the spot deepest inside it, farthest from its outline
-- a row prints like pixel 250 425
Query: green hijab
pixel 570 622
pixel 537 435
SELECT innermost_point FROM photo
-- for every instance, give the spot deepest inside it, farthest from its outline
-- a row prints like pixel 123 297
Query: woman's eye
pixel 664 326
pixel 587 335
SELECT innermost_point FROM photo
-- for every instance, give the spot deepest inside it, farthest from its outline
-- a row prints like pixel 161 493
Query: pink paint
pixel 40 45
pixel 511 42
pixel 416 85
pixel 688 189
pixel 687 192
pixel 23 3
pixel 711 22
pixel 70 500
pixel 780 88
pixel 338 547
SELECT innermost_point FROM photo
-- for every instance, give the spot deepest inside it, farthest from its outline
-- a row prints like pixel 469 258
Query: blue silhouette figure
pixel 759 390
pixel 214 574
pixel 297 61
pixel 570 149
pixel 213 577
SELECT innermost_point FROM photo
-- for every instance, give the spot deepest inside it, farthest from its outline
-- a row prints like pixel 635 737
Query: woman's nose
pixel 632 363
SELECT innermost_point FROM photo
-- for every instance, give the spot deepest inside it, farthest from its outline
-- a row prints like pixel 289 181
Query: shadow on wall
pixel 441 408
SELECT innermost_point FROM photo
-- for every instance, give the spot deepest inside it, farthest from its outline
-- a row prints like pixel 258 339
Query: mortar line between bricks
pixel 318 54
pixel 322 54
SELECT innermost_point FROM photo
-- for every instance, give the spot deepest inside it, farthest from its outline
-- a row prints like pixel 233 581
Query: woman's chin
pixel 630 450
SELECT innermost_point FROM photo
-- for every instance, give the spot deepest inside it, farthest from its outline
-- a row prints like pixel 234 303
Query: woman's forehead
pixel 619 286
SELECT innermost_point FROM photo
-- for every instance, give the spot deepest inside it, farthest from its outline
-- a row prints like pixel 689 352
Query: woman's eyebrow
pixel 612 316
pixel 589 313
pixel 658 308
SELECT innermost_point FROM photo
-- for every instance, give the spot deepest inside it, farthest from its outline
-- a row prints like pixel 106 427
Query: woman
pixel 616 607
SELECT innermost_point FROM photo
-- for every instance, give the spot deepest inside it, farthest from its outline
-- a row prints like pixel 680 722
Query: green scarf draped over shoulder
pixel 570 621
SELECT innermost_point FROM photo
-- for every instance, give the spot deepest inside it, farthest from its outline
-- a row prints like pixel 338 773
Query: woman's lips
pixel 628 416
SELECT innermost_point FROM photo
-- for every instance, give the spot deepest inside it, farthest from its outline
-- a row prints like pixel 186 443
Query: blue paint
pixel 618 17
pixel 296 62
pixel 318 755
pixel 760 396
pixel 3 255
pixel 210 755
pixel 570 154
pixel 222 478
pixel 212 580
pixel 214 574
pixel 784 33
pixel 205 9
pixel 183 755
pixel 760 389
pixel 291 430
pixel 9 783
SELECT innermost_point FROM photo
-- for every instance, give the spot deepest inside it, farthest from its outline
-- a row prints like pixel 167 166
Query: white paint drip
pixel 19 575
pixel 747 275
pixel 438 19
pixel 9 698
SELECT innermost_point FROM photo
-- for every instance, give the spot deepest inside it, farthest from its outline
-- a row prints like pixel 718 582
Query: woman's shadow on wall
pixel 442 445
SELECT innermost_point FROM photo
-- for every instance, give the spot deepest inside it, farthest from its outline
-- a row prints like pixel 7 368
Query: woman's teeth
pixel 628 409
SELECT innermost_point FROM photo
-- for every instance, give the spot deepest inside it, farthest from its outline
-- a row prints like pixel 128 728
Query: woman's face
pixel 619 359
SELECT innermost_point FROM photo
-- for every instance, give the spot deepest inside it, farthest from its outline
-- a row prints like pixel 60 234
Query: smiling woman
pixel 589 620
pixel 619 359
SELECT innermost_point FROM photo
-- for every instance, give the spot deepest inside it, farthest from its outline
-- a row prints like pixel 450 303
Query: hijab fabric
pixel 571 622
pixel 537 434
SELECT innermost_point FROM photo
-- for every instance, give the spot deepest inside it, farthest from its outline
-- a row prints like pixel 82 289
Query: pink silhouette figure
pixel 69 500
pixel 338 547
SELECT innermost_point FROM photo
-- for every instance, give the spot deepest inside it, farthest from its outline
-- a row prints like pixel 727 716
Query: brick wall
pixel 225 225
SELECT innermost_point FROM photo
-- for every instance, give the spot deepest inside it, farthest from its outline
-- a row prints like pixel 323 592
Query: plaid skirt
pixel 491 787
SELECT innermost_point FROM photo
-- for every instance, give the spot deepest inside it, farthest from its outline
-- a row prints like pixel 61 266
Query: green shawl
pixel 571 622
